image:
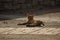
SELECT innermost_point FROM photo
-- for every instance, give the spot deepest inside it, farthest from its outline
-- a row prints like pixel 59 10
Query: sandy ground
pixel 9 30
pixel 29 37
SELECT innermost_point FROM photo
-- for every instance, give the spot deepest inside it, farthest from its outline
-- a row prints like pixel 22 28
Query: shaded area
pixel 22 7
pixel 34 11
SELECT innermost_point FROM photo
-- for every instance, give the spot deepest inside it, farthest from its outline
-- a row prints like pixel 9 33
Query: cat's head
pixel 30 15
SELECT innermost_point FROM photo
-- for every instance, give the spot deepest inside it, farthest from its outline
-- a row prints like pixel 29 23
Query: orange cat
pixel 31 22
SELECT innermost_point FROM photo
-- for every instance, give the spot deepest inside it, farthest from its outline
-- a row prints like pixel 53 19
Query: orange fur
pixel 32 22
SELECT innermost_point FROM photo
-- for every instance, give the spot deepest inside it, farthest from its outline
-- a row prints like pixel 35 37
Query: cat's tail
pixel 21 23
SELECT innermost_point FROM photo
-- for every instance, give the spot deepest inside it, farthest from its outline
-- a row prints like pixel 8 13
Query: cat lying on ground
pixel 32 23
